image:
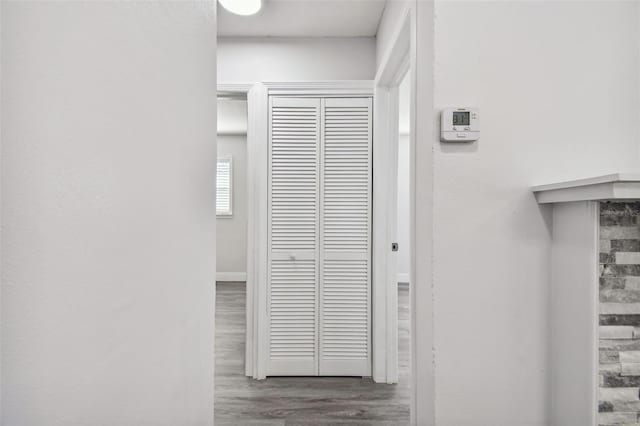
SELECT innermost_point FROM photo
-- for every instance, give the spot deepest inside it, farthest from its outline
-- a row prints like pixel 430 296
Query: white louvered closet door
pixel 345 254
pixel 294 156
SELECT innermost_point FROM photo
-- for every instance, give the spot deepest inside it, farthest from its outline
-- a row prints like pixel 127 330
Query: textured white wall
pixel 559 95
pixel 108 213
pixel 404 255
pixel 232 116
pixel 404 200
pixel 231 232
pixel 557 88
pixel 249 60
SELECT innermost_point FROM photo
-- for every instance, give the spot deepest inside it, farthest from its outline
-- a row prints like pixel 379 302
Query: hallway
pixel 297 401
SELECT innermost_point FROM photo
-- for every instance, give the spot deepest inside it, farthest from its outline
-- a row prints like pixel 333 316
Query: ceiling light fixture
pixel 242 7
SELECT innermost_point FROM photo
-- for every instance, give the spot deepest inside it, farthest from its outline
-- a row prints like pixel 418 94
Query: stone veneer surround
pixel 619 345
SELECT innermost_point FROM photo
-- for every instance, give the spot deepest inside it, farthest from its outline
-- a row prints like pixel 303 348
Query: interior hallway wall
pixel 277 59
pixel 108 213
pixel 404 255
pixel 531 68
pixel 404 200
pixel 231 232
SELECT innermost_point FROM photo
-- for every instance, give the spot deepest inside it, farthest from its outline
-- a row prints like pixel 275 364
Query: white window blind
pixel 224 187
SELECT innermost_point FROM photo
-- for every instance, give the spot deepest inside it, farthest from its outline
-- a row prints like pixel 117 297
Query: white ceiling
pixel 305 18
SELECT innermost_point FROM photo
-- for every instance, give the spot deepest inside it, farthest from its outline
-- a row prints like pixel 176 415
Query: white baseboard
pixel 231 276
pixel 402 277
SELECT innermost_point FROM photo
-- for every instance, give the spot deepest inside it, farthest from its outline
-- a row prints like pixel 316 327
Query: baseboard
pixel 231 276
pixel 402 277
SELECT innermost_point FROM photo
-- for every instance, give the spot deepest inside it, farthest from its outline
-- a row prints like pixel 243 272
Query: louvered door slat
pixel 345 296
pixel 293 237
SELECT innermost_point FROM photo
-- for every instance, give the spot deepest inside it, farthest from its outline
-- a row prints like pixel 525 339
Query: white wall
pixel 557 88
pixel 108 213
pixel 404 255
pixel 248 60
pixel 404 201
pixel 231 232
pixel 232 116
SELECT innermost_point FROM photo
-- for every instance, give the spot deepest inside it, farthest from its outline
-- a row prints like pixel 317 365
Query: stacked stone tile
pixel 619 393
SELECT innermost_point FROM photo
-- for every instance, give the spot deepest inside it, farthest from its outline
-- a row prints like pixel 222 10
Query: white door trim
pixel 242 90
pixel 257 244
pixel 385 188
pixel 423 138
pixel 414 36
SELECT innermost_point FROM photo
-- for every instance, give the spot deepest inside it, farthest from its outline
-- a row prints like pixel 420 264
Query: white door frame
pixel 242 90
pixel 385 201
pixel 418 24
pixel 257 155
pixel 412 47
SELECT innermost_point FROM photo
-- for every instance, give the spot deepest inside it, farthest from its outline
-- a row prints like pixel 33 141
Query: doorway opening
pixel 386 395
pixel 231 236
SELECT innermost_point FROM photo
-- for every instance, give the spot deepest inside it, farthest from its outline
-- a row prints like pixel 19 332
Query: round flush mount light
pixel 242 7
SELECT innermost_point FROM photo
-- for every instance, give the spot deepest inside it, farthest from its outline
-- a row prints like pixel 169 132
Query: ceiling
pixel 305 18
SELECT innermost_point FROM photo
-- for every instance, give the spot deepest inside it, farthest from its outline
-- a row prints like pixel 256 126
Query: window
pixel 224 187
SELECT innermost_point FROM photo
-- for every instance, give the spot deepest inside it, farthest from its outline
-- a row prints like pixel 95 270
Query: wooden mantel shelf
pixel 616 186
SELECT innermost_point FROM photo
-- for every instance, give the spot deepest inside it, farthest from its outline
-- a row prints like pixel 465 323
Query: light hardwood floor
pixel 298 401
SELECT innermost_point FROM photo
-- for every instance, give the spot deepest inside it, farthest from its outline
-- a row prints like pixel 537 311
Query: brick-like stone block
pixel 619 295
pixel 618 394
pixel 615 270
pixel 619 344
pixel 605 246
pixel 632 369
pixel 620 320
pixel 616 381
pixel 629 357
pixel 605 407
pixel 616 332
pixel 625 406
pixel 630 283
pixel 628 258
pixel 614 418
pixel 613 283
pixel 606 258
pixel 620 232
pixel 608 357
pixel 619 208
pixel 624 245
pixel 620 308
pixel 610 369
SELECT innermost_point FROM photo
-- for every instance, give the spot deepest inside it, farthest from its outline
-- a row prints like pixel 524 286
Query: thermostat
pixel 460 125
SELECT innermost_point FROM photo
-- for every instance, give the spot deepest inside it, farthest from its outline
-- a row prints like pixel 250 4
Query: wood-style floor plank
pixel 300 401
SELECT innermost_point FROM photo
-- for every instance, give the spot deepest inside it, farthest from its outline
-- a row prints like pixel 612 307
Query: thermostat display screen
pixel 461 118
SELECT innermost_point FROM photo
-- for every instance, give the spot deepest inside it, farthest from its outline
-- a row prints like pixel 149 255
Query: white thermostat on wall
pixel 460 125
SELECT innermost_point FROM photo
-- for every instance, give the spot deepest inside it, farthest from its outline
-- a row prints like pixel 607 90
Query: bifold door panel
pixel 344 237
pixel 319 236
pixel 294 236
